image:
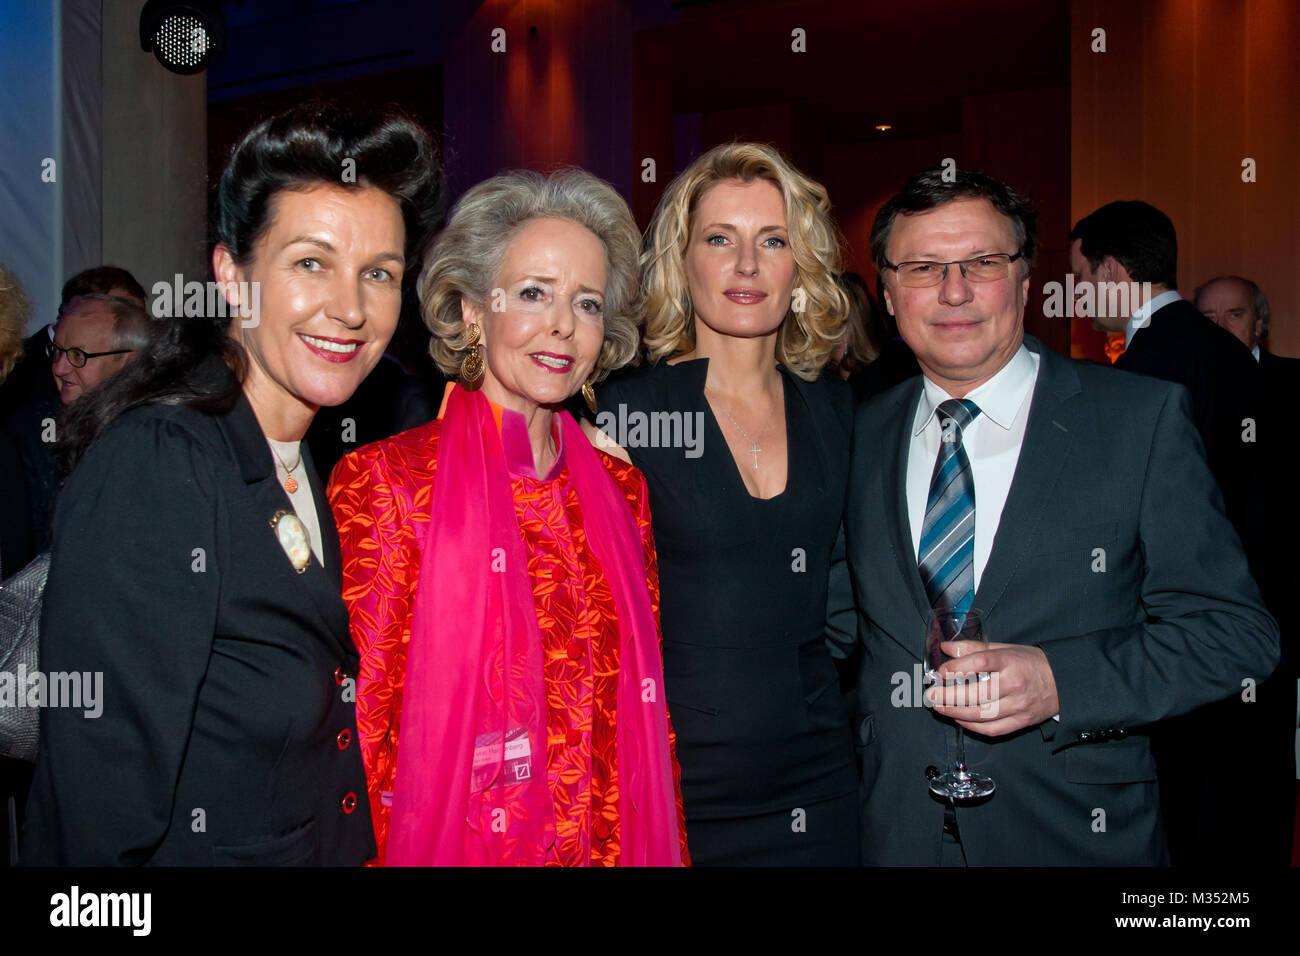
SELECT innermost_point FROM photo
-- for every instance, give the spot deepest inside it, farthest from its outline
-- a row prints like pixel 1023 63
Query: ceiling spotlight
pixel 883 128
pixel 182 35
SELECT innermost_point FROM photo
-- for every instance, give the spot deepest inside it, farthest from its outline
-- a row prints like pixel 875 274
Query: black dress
pixel 768 772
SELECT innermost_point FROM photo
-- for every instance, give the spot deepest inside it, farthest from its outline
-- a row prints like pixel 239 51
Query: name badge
pixel 515 755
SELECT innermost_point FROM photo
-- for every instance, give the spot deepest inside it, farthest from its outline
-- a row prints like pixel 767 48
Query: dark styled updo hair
pixel 314 143
pixel 327 142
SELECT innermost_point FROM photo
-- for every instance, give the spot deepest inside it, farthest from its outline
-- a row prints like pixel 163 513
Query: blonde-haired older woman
pixel 16 542
pixel 500 572
pixel 745 447
pixel 14 309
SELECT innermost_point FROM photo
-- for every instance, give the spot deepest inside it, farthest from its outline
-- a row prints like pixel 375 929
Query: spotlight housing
pixel 181 35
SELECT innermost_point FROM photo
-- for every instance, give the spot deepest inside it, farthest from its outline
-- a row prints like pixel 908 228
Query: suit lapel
pixel 1049 435
pixel 898 437
pixel 322 585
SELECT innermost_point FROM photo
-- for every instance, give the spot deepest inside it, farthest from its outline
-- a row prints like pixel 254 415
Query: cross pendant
pixel 754 450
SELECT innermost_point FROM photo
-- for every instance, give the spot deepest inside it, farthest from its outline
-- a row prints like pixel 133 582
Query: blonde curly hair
pixel 466 257
pixel 14 309
pixel 806 338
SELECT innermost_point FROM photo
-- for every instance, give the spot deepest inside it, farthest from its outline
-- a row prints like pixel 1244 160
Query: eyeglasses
pixel 76 357
pixel 922 273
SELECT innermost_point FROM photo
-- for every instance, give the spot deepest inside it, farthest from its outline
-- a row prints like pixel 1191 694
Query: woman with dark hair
pixel 194 588
pixel 865 333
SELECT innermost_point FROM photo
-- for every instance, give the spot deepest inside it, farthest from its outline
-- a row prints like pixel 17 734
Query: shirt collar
pixel 1142 314
pixel 1255 352
pixel 999 399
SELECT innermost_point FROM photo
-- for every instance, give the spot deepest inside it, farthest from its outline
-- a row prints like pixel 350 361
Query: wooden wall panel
pixel 1185 91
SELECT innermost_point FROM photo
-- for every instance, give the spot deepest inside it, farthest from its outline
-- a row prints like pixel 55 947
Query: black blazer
pixel 228 729
pixel 1110 461
pixel 1281 375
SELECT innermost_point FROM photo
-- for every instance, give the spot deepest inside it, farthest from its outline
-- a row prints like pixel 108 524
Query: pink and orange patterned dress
pixel 382 496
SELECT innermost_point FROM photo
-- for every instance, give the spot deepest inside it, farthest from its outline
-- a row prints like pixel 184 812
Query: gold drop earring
pixel 472 366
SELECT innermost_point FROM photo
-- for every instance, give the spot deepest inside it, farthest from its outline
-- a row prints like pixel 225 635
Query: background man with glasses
pixel 94 338
pixel 1079 517
pixel 30 396
pixel 91 324
pixel 30 381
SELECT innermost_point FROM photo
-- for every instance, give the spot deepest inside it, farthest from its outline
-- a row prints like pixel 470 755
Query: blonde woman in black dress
pixel 747 474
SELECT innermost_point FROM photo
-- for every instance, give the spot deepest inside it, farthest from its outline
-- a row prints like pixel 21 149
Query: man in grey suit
pixel 1072 506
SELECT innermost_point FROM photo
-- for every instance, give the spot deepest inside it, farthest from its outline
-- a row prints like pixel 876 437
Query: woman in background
pixel 865 333
pixel 743 312
pixel 16 543
pixel 500 572
pixel 195 564
pixel 16 549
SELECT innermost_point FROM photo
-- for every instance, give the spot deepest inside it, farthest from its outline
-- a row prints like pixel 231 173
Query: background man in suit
pixel 31 394
pixel 107 331
pixel 30 380
pixel 1235 304
pixel 1090 536
pixel 1240 306
pixel 1243 812
pixel 1133 244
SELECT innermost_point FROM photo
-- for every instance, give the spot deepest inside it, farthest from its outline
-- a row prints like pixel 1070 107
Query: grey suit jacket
pixel 1113 554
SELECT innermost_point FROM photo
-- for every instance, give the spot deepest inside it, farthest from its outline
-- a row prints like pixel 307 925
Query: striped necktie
pixel 947 552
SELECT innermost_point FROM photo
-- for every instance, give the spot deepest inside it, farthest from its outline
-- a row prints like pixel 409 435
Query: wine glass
pixel 949 624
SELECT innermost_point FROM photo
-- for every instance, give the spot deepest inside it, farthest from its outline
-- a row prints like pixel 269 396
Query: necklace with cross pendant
pixel 754 448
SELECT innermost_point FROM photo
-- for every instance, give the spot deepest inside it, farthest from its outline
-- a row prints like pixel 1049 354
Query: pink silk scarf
pixel 471 782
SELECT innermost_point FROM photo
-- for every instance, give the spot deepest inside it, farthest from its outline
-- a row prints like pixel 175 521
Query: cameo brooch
pixel 292 535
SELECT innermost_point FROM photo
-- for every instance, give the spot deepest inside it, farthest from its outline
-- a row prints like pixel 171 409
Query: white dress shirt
pixel 992 442
pixel 1254 350
pixel 1142 315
